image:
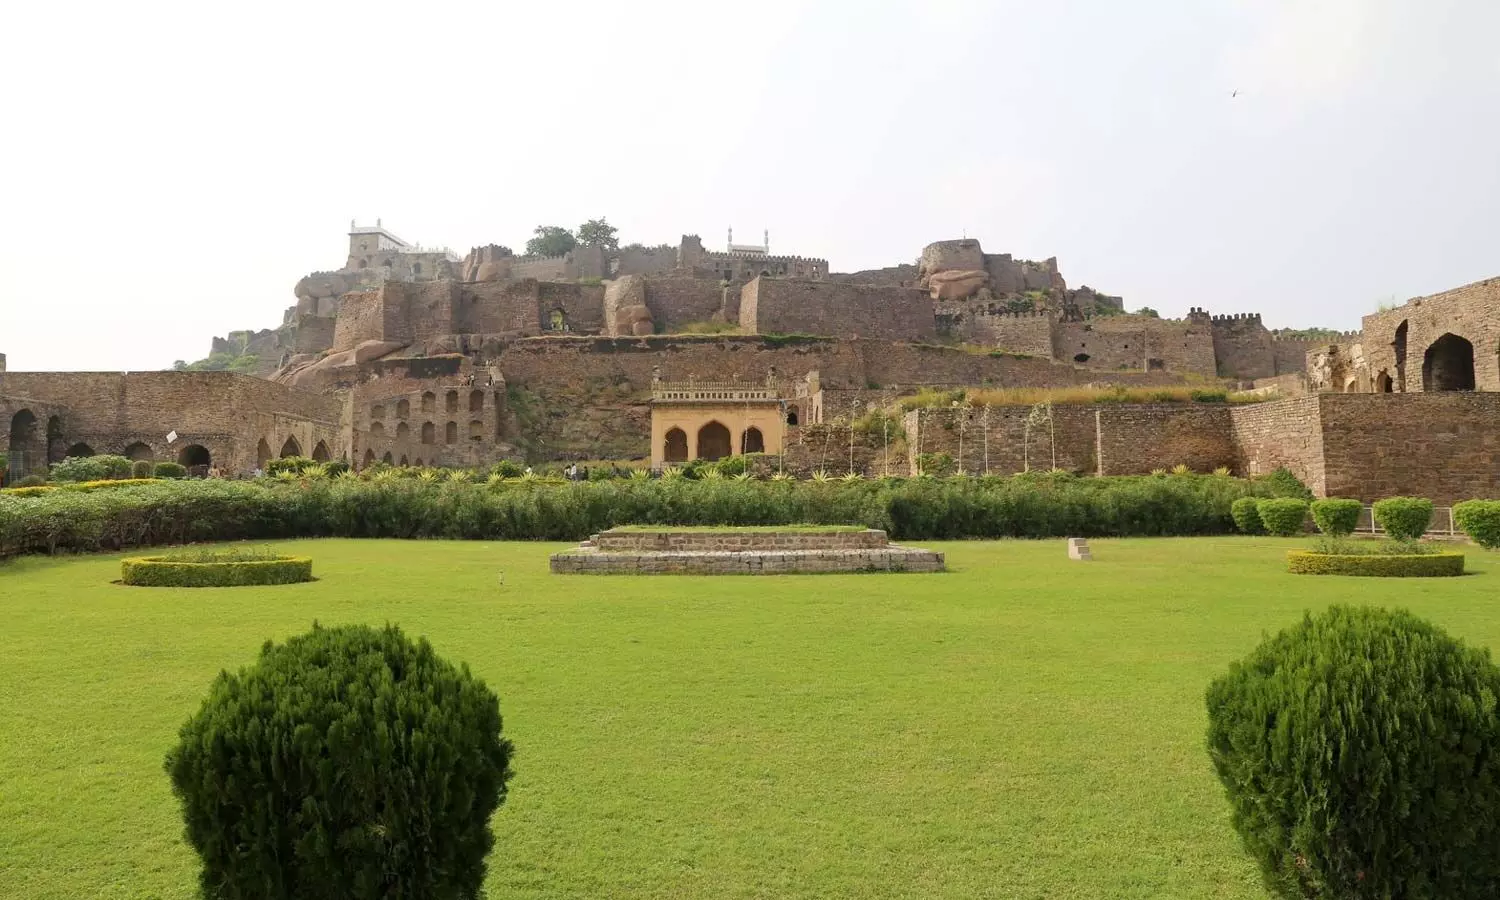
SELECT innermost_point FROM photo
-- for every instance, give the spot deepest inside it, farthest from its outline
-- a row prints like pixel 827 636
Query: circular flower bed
pixel 1382 565
pixel 222 568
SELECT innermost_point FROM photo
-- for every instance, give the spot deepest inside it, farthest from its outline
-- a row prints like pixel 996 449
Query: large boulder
pixel 945 256
pixel 957 285
pixel 320 285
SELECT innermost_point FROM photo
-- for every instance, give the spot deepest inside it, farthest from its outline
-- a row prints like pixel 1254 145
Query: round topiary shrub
pixel 1404 518
pixel 142 468
pixel 215 568
pixel 1335 516
pixel 346 763
pixel 170 470
pixel 1245 516
pixel 1284 516
pixel 1480 520
pixel 1360 752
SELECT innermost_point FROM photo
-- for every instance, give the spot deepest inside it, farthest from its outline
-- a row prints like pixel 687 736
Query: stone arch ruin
pixel 262 454
pixel 451 402
pixel 369 459
pixel 80 449
pixel 676 450
pixel 1399 347
pixel 403 431
pixel 377 431
pixel 196 458
pixel 476 430
pixel 26 448
pixel 450 433
pixel 752 441
pixel 476 401
pixel 387 458
pixel 429 433
pixel 320 452
pixel 140 450
pixel 403 409
pixel 1448 365
pixel 1383 384
pixel 714 441
pixel 291 448
pixel 57 448
pixel 429 402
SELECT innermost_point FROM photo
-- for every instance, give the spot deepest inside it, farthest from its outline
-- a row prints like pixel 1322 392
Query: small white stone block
pixel 1078 548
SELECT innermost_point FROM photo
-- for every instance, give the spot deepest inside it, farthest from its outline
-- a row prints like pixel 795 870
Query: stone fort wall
pixel 806 306
pixel 1471 312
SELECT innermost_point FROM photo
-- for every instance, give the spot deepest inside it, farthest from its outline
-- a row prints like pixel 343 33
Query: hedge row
pixel 162 571
pixel 910 509
pixel 1423 565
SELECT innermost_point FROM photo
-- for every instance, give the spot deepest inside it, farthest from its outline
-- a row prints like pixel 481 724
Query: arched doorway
pixel 80 449
pixel 1399 347
pixel 450 433
pixel 753 441
pixel 369 459
pixel 291 448
pixel 1448 365
pixel 57 448
pixel 476 401
pixel 26 448
pixel 386 458
pixel 429 433
pixel 403 431
pixel 429 402
pixel 140 450
pixel 377 431
pixel 676 448
pixel 404 462
pixel 320 452
pixel 418 463
pixel 714 442
pixel 196 458
pixel 1383 383
pixel 450 402
pixel 262 454
pixel 791 415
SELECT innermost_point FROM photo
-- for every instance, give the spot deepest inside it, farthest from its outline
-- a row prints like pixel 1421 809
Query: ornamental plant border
pixel 1444 564
pixel 162 571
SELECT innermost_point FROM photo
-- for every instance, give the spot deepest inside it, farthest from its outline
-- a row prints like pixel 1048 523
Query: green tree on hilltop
pixel 598 233
pixel 551 240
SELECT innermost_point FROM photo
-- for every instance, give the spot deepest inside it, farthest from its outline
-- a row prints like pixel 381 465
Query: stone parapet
pixel 728 552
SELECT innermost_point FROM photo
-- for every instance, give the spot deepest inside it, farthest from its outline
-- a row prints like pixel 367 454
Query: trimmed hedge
pixel 170 470
pixel 1360 754
pixel 1335 516
pixel 1480 520
pixel 1247 516
pixel 163 571
pixel 1403 518
pixel 1284 516
pixel 348 763
pixel 1405 565
pixel 91 468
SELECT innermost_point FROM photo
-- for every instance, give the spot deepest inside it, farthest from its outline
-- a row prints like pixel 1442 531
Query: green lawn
pixel 1020 727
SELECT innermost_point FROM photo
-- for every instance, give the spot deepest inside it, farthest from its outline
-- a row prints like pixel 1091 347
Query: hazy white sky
pixel 169 170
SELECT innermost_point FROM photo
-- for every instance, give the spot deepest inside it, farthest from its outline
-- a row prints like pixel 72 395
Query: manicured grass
pixel 731 529
pixel 1022 726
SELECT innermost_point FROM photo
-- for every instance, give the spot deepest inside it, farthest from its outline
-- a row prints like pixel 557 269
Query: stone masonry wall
pixel 1442 445
pixel 802 306
pixel 1243 347
pixel 1279 434
pixel 1107 439
pixel 1471 312
pixel 1139 343
pixel 675 302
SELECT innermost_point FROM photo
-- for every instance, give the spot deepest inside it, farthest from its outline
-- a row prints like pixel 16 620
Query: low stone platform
pixel 731 552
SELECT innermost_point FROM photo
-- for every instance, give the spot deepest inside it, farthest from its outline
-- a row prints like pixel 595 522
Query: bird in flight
pixel 1234 93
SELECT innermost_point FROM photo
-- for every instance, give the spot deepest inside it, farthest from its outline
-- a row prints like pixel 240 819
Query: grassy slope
pixel 1021 727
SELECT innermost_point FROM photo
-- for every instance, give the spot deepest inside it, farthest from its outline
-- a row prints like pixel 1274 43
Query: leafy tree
pixel 598 233
pixel 551 240
pixel 1148 311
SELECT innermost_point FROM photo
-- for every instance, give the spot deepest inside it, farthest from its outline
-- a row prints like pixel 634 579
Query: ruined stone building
pixel 412 355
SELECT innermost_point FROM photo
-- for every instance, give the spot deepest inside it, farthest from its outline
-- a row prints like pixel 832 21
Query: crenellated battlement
pixel 760 257
pixel 1341 337
pixel 1242 318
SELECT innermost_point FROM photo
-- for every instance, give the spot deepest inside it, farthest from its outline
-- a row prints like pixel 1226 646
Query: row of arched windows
pixel 428 433
pixel 714 442
pixel 428 403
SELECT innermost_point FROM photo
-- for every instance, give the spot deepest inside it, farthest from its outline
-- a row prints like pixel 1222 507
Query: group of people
pixel 469 380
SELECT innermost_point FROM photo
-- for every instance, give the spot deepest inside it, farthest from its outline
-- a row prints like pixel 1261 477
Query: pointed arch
pixel 404 461
pixel 320 452
pixel 369 459
pixel 291 448
pixel 714 441
pixel 386 458
pixel 1448 364
pixel 752 441
pixel 262 454
pixel 676 450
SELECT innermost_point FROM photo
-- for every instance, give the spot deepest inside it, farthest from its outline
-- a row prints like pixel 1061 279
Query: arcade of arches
pixel 682 432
